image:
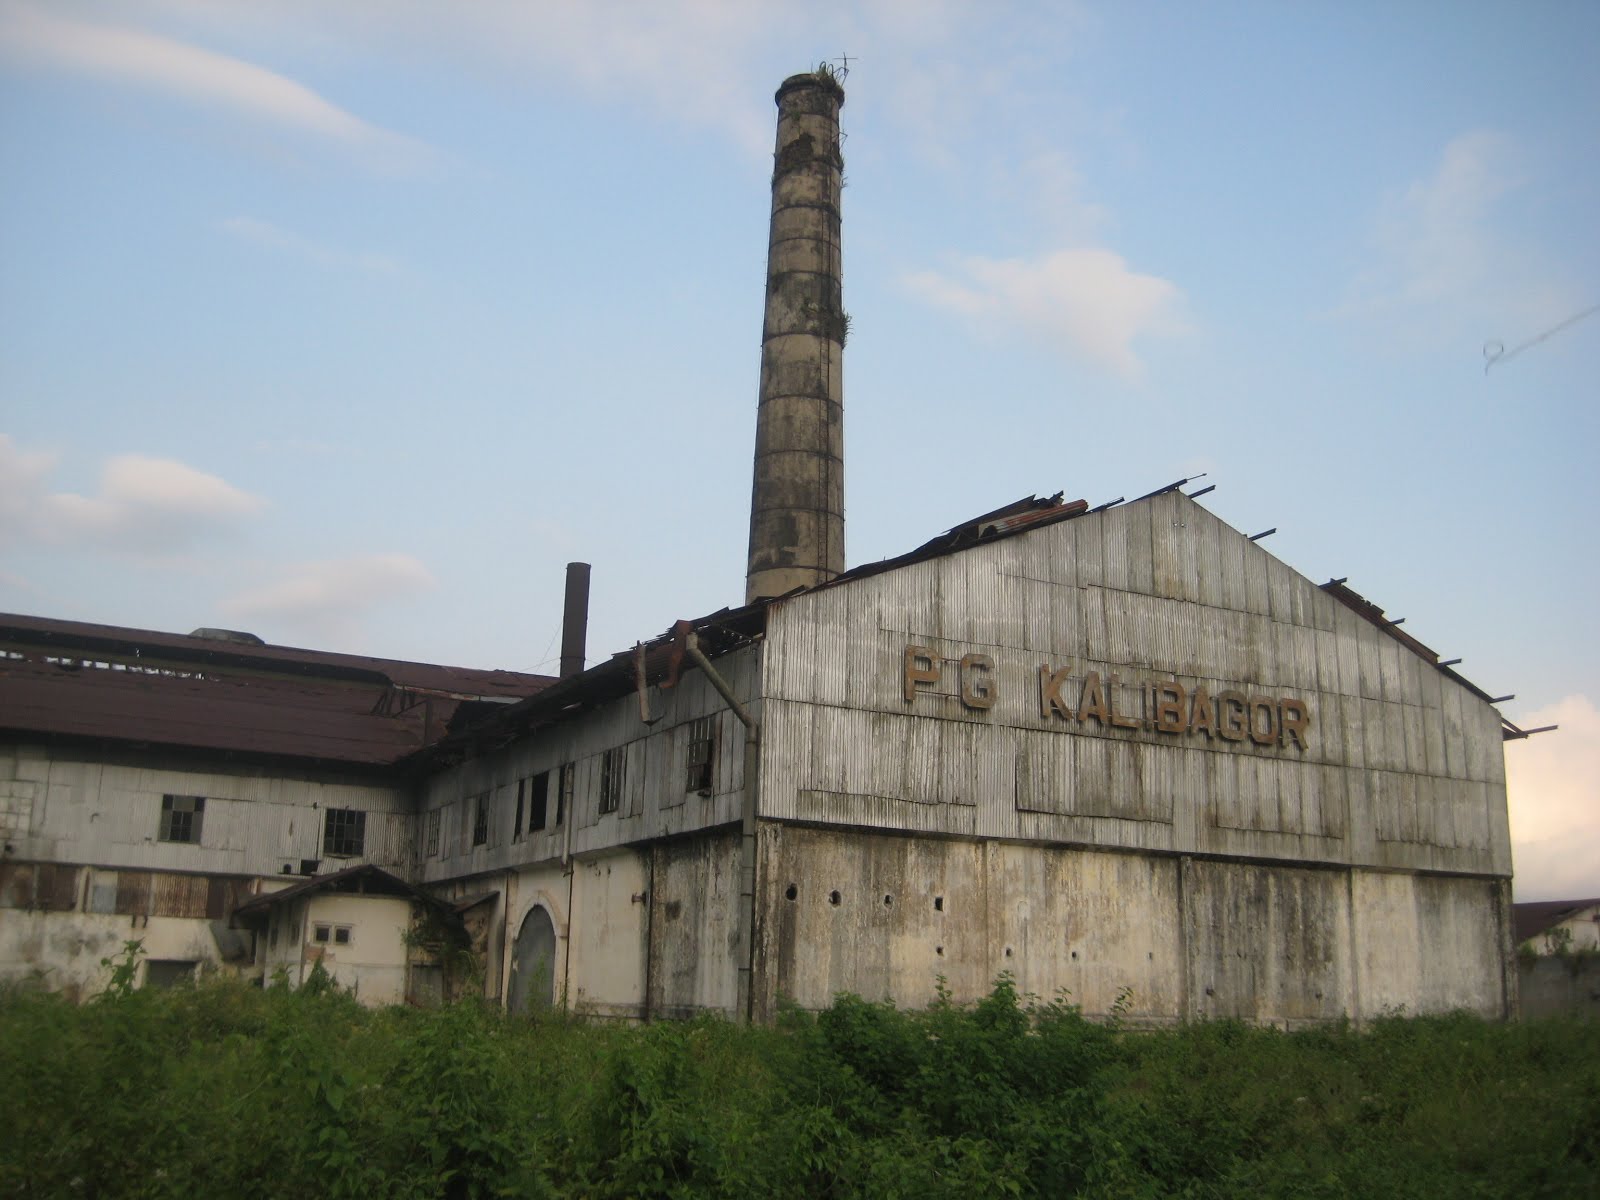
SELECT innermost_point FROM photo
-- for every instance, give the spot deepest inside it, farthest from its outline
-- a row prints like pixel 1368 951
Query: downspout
pixel 747 846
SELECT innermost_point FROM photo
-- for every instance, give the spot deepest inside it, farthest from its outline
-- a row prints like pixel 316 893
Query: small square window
pixel 341 935
pixel 320 933
pixel 344 833
pixel 180 819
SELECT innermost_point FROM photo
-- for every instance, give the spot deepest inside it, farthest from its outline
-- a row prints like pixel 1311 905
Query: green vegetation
pixel 225 1090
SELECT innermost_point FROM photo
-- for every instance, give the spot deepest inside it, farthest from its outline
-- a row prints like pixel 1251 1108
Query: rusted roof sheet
pixel 68 679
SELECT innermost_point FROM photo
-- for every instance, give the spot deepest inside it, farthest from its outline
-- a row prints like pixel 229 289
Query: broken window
pixel 613 769
pixel 344 833
pixel 180 818
pixel 702 756
pixel 539 802
pixel 435 820
pixel 480 820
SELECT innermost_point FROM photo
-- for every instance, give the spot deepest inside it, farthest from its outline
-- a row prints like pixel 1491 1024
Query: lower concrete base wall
pixel 1158 938
pixel 62 951
pixel 638 933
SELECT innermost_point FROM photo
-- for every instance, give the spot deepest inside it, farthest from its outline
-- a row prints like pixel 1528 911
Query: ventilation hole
pixel 939 950
pixel 1074 954
pixel 790 892
pixel 938 904
pixel 833 897
pixel 1151 955
pixel 1008 951
pixel 887 901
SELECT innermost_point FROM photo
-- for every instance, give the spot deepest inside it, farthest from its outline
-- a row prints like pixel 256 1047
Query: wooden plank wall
pixel 1403 768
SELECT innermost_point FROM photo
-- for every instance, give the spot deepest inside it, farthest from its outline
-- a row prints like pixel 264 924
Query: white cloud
pixel 1553 787
pixel 1446 265
pixel 144 506
pixel 1085 303
pixel 149 60
pixel 328 599
pixel 263 233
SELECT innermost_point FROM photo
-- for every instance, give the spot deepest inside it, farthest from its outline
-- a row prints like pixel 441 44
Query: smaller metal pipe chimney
pixel 575 619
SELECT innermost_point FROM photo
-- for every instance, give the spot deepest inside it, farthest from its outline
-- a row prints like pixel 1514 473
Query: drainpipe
pixel 747 845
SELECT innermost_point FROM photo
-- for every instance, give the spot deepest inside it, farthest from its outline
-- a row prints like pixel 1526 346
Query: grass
pixel 223 1089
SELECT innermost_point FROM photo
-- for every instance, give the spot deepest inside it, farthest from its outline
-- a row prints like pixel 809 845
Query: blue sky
pixel 352 324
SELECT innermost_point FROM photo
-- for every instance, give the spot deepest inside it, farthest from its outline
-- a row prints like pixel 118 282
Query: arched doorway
pixel 533 963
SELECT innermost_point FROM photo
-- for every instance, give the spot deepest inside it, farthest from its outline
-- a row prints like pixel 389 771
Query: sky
pixel 350 325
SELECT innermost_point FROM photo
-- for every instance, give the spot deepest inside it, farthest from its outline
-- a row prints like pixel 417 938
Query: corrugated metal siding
pixel 656 802
pixel 1160 590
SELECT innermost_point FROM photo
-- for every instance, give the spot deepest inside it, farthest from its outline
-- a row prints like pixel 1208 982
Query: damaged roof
pixel 659 659
pixel 233 696
pixel 363 880
pixel 77 681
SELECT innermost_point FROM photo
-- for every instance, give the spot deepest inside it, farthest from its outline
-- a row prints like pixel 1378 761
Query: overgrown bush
pixel 222 1089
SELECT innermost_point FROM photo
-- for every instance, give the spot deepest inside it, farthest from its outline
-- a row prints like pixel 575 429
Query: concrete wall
pixel 63 951
pixel 1563 986
pixel 644 932
pixel 1158 937
pixel 373 963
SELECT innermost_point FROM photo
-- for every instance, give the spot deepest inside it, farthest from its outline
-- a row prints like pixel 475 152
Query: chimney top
pixel 810 79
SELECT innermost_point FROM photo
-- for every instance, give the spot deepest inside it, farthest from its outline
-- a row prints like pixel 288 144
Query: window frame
pixel 343 828
pixel 613 779
pixel 700 755
pixel 482 818
pixel 192 819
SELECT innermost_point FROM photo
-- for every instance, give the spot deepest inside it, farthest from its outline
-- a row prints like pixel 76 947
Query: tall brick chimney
pixel 797 499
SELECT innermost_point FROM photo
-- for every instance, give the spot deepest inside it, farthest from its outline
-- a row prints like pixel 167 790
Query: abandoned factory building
pixel 1122 752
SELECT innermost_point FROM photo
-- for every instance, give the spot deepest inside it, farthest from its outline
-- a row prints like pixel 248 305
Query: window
pixel 341 935
pixel 344 833
pixel 516 826
pixel 702 756
pixel 613 769
pixel 320 933
pixel 480 820
pixel 569 775
pixel 435 820
pixel 180 818
pixel 539 801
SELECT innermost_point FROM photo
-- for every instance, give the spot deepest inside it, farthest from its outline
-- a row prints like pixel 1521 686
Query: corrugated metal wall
pixel 655 802
pixel 1403 768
